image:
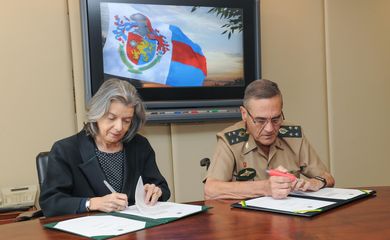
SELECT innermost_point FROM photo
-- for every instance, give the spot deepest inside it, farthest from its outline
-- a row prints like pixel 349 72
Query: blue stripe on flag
pixel 182 75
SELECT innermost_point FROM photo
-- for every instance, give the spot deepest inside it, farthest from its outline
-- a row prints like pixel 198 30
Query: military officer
pixel 262 141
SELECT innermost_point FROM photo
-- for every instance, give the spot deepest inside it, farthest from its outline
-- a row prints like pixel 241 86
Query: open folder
pixel 108 225
pixel 306 204
pixel 133 218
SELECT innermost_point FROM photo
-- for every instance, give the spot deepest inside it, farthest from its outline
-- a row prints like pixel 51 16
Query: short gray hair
pixel 118 90
pixel 261 89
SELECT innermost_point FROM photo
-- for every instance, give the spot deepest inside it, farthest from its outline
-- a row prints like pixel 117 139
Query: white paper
pixel 289 204
pixel 100 225
pixel 160 209
pixel 164 210
pixel 332 193
pixel 140 199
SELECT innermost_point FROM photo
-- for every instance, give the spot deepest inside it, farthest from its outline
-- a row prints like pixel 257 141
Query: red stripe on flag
pixel 183 53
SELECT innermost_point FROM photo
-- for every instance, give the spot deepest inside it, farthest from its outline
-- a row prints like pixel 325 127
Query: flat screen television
pixel 190 60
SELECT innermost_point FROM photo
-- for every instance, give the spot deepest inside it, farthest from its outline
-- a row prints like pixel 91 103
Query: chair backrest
pixel 41 162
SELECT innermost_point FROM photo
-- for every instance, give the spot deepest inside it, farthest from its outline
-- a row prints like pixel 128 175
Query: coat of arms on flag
pixel 140 45
pixel 149 51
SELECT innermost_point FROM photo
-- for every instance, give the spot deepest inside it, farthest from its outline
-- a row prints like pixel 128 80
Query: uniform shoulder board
pixel 290 131
pixel 237 136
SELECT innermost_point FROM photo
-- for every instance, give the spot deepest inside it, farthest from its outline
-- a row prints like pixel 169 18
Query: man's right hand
pixel 279 186
pixel 109 203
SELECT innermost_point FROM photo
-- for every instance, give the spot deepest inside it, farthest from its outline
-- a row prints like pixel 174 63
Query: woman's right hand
pixel 109 203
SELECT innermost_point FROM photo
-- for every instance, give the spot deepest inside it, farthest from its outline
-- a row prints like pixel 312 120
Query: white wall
pixel 37 105
pixel 358 56
pixel 293 54
pixel 191 143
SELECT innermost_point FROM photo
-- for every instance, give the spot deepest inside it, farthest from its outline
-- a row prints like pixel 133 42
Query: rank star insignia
pixel 290 131
pixel 237 136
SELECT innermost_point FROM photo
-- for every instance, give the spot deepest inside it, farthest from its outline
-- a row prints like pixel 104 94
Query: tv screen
pixel 189 60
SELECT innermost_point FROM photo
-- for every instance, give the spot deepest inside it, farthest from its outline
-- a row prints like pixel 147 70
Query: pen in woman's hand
pixel 112 190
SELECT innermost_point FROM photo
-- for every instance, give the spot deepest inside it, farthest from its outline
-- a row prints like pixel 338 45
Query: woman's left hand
pixel 153 193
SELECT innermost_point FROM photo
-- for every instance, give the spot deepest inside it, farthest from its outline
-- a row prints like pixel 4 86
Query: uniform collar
pixel 251 145
pixel 278 143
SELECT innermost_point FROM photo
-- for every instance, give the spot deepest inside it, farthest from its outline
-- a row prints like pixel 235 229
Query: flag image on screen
pixel 156 52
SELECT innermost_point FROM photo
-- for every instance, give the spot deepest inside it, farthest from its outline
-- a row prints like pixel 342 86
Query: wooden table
pixel 10 217
pixel 364 219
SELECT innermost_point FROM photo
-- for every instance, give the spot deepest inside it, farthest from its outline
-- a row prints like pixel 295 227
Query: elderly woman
pixel 107 149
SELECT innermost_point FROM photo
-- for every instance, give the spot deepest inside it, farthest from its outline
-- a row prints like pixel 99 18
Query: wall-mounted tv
pixel 189 59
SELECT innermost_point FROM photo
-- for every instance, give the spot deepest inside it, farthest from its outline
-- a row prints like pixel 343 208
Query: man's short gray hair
pixel 261 89
pixel 115 90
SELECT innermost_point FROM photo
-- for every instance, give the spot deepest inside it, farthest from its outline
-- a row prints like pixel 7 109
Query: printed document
pixel 289 204
pixel 100 225
pixel 332 193
pixel 160 209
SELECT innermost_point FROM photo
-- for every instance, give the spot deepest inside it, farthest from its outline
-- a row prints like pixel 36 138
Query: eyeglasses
pixel 260 122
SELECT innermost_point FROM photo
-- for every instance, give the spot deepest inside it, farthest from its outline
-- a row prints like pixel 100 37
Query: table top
pixel 10 217
pixel 367 218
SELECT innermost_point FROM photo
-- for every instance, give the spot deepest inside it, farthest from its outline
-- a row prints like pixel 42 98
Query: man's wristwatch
pixel 322 180
pixel 88 204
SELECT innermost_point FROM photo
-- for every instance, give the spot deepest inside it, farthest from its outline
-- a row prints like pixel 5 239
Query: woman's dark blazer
pixel 74 174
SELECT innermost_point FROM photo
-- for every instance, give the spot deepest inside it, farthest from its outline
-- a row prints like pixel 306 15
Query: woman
pixel 107 149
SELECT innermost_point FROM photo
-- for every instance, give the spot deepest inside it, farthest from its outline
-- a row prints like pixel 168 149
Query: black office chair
pixel 41 163
pixel 205 162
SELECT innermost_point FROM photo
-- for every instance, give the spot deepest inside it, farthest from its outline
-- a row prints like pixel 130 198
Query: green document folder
pixel 80 224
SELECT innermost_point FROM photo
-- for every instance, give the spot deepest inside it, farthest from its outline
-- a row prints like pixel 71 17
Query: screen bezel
pixel 94 54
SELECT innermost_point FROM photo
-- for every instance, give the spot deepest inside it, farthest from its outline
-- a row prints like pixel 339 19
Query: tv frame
pixel 184 104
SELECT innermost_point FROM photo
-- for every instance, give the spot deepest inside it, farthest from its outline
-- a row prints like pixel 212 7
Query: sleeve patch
pixel 290 131
pixel 237 136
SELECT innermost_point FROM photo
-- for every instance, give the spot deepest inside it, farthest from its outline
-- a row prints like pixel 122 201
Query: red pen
pixel 273 172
